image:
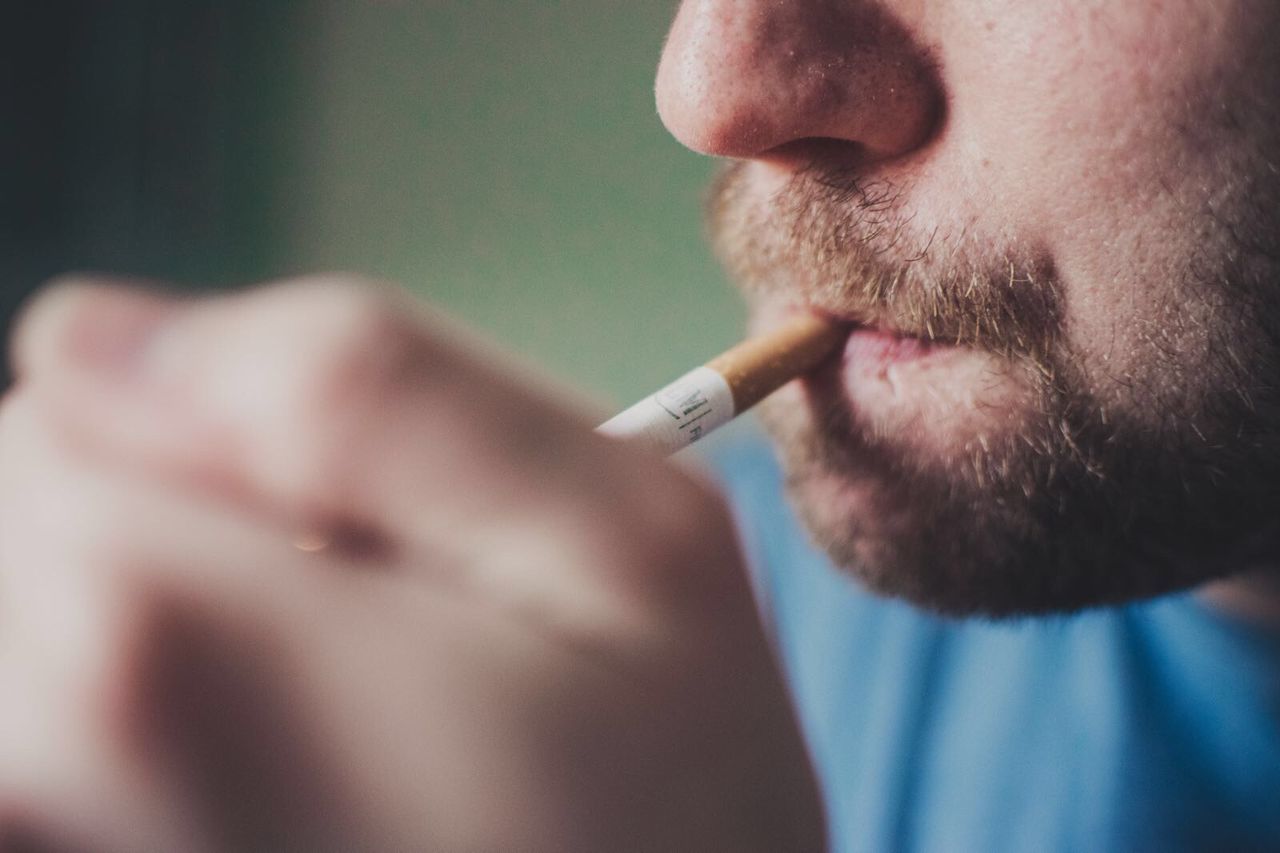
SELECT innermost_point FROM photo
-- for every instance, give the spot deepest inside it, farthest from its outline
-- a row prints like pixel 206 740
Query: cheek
pixel 1095 97
pixel 1105 141
pixel 1077 102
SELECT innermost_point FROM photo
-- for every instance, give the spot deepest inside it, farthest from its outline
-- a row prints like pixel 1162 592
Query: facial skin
pixel 1079 203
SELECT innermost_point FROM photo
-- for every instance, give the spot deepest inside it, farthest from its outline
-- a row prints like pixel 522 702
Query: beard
pixel 1099 481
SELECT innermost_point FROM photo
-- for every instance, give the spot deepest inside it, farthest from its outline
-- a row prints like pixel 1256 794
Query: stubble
pixel 1100 485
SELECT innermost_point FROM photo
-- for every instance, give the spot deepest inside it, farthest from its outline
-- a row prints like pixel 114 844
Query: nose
pixel 784 80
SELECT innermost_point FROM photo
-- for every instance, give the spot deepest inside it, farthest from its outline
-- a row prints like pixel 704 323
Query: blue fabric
pixel 1151 727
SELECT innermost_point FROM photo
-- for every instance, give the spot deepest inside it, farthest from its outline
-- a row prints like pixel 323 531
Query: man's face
pixel 1057 223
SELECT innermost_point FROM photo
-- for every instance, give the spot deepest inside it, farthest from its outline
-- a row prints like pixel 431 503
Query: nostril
pixel 817 151
pixel 915 131
pixel 789 83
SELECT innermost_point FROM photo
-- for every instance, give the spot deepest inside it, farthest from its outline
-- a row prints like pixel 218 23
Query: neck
pixel 1252 596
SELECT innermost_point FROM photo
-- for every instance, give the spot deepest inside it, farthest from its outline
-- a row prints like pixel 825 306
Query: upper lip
pixel 851 317
pixel 876 320
pixel 880 321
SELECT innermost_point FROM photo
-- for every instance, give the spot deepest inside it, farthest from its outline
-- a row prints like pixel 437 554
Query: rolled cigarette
pixel 710 396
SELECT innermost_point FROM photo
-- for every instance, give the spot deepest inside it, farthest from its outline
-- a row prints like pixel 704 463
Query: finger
pixel 154 659
pixel 222 673
pixel 343 407
pixel 67 634
pixel 297 386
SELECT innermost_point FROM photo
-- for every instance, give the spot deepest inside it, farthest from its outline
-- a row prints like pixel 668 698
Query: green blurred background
pixel 501 158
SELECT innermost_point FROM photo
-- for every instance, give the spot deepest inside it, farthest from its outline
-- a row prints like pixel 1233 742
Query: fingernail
pixel 101 329
pixel 113 337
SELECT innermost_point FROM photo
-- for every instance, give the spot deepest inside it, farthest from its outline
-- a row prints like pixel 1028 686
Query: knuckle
pixel 360 351
pixel 341 306
pixel 362 347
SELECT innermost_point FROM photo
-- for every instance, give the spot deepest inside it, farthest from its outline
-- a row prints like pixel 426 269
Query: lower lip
pixel 872 347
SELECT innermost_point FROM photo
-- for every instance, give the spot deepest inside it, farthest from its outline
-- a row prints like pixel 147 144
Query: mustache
pixel 840 242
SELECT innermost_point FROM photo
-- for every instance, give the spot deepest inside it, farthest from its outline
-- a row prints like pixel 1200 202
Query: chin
pixel 1022 525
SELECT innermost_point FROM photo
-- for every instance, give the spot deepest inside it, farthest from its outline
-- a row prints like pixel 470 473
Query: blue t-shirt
pixel 1150 727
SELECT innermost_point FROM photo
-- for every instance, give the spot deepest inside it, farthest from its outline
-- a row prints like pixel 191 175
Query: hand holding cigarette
pixel 291 569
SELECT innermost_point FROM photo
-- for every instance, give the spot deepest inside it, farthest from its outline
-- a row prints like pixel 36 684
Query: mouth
pixel 874 344
pixel 928 392
pixel 868 345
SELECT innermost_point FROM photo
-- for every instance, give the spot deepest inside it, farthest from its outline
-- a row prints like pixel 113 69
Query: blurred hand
pixel 298 569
